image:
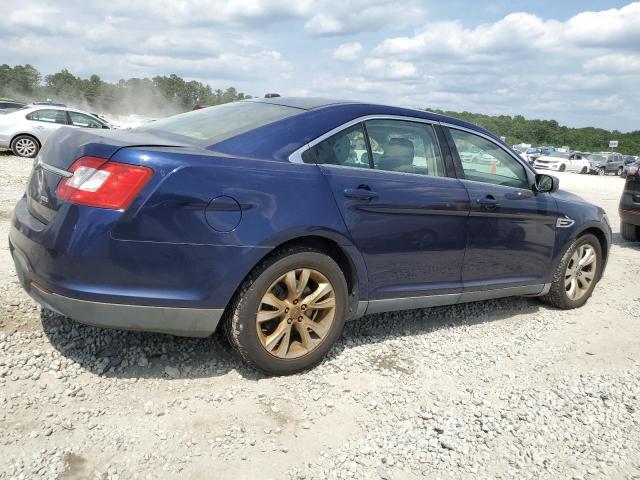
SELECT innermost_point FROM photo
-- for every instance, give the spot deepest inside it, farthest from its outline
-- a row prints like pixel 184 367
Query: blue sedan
pixel 279 219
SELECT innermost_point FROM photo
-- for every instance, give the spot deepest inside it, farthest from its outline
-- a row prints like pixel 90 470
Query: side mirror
pixel 546 183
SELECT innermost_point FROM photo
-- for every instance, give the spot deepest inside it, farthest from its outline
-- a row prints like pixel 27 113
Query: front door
pixel 403 213
pixel 511 228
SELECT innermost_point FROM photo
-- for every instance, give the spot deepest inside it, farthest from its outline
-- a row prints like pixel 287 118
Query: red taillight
pixel 97 182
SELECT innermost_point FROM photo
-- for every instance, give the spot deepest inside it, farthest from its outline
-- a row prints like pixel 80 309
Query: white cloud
pixel 586 65
pixel 614 63
pixel 584 69
pixel 348 51
pixel 390 69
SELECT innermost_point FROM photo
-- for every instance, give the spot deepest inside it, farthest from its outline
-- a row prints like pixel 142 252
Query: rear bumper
pixel 190 322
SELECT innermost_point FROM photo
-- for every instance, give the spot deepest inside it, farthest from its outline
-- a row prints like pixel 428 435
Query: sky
pixel 575 61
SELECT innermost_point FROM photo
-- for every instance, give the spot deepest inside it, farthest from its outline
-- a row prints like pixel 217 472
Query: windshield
pixel 559 155
pixel 532 150
pixel 595 158
pixel 213 124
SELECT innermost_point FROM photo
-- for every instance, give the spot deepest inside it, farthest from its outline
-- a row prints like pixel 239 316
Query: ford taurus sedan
pixel 279 219
pixel 24 131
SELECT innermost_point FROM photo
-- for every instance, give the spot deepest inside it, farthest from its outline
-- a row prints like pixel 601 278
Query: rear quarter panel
pixel 278 201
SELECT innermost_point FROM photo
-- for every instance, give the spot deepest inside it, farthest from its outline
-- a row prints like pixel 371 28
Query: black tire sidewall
pixel 562 268
pixel 19 137
pixel 244 317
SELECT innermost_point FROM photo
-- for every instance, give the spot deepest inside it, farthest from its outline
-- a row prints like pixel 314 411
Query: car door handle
pixel 488 203
pixel 360 193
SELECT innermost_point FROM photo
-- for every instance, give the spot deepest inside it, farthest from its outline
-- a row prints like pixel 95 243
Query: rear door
pixel 404 211
pixel 46 121
pixel 511 228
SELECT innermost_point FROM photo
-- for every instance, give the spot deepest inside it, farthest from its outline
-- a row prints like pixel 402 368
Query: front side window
pixel 347 148
pixel 484 161
pixel 82 120
pixel 49 116
pixel 405 147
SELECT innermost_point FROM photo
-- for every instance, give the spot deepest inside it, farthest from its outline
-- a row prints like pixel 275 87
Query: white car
pixel 561 161
pixel 25 131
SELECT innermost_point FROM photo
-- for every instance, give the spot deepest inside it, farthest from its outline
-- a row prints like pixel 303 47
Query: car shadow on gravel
pixel 130 354
pixel 617 239
pixel 124 354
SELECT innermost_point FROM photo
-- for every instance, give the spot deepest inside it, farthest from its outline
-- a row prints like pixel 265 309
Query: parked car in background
pixel 8 106
pixel 628 160
pixel 605 162
pixel 290 216
pixel 25 131
pixel 49 103
pixel 560 161
pixel 531 154
pixel 547 150
pixel 630 205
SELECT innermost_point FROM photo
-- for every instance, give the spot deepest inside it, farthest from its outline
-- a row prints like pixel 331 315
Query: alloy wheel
pixel 580 272
pixel 296 313
pixel 25 147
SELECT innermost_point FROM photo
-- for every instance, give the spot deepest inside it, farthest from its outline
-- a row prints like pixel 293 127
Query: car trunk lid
pixel 66 146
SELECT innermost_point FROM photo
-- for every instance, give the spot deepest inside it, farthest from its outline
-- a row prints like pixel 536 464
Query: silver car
pixel 25 131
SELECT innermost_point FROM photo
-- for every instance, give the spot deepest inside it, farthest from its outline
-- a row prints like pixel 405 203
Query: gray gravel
pixel 502 389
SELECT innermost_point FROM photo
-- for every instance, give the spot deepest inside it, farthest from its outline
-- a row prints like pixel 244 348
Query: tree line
pixel 165 95
pixel 160 95
pixel 518 129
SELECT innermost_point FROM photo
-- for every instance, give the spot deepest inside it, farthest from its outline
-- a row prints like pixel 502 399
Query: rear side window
pixel 484 161
pixel 347 148
pixel 213 124
pixel 405 147
pixel 51 116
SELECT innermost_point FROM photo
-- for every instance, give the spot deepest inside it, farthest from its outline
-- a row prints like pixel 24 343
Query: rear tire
pixel 569 274
pixel 630 232
pixel 261 343
pixel 25 146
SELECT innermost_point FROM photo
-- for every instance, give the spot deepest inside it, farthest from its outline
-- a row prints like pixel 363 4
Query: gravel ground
pixel 500 389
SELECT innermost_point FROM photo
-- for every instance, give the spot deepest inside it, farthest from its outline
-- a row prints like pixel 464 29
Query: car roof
pixel 303 103
pixel 31 108
pixel 314 103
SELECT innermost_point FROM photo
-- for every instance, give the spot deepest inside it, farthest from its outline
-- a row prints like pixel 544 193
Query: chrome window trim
pixel 296 156
pixel 377 170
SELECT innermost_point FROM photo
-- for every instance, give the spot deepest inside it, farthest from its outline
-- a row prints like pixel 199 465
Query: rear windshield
pixel 213 124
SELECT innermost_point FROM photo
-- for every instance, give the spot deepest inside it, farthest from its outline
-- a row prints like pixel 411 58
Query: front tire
pixel 25 146
pixel 630 233
pixel 577 274
pixel 584 170
pixel 289 312
pixel 619 172
pixel 601 171
pixel 562 168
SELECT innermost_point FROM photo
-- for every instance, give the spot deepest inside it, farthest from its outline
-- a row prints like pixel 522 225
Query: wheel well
pixel 599 234
pixel 333 250
pixel 25 135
